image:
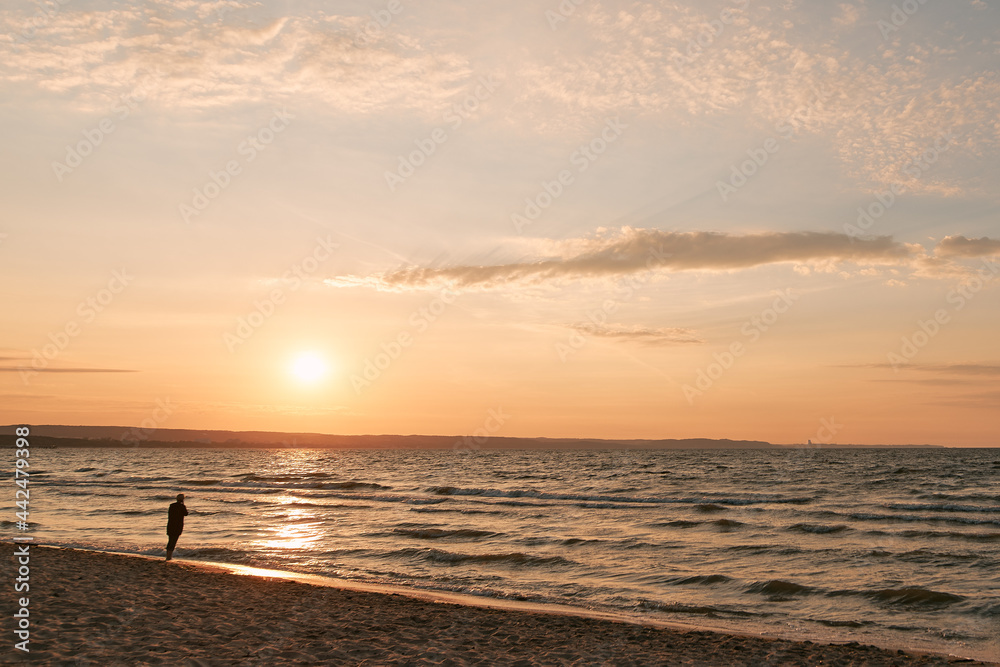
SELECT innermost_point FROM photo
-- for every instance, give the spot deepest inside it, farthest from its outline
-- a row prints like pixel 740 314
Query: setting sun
pixel 309 367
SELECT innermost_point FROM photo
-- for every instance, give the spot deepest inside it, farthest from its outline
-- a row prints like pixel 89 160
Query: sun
pixel 309 367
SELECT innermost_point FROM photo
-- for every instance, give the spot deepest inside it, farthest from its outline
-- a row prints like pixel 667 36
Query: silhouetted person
pixel 175 523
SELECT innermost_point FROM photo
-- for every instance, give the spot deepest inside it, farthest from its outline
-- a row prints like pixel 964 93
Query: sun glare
pixel 309 367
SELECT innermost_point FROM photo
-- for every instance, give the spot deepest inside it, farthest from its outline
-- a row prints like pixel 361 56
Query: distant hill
pixel 121 436
pixel 125 436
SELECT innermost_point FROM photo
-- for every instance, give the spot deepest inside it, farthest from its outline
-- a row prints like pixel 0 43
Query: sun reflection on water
pixel 296 527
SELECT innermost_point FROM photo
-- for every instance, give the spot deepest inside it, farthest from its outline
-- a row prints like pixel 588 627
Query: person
pixel 175 523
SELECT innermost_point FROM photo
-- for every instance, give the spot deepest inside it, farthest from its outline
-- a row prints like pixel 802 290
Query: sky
pixel 734 219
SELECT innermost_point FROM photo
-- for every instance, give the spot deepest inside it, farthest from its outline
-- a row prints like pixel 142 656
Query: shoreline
pixel 398 624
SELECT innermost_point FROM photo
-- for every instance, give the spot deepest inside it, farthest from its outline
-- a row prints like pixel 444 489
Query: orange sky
pixel 733 220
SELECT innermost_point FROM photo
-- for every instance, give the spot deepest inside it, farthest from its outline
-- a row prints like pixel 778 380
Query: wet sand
pixel 94 608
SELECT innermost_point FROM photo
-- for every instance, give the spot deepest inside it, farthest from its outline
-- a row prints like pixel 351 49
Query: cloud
pixel 982 369
pixel 29 369
pixel 24 365
pixel 209 56
pixel 849 15
pixel 648 336
pixel 635 250
pixel 880 112
pixel 682 65
pixel 960 246
pixel 983 399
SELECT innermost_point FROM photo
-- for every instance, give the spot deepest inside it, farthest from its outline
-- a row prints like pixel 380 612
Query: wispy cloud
pixel 980 369
pixel 960 246
pixel 879 110
pixel 28 369
pixel 207 59
pixel 23 364
pixel 635 250
pixel 644 335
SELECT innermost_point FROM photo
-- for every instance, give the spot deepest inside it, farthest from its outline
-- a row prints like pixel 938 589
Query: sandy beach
pixel 108 609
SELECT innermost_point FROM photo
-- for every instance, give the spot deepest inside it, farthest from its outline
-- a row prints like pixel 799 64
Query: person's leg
pixel 171 543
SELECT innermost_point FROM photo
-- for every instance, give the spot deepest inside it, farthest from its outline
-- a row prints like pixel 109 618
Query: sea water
pixel 895 547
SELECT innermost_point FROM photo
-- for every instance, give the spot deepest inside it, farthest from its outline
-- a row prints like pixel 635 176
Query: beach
pixel 109 609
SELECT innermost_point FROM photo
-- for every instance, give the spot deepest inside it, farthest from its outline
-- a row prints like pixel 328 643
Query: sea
pixel 892 547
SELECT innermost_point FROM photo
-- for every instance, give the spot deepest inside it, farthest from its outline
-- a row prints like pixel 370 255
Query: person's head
pixel 180 497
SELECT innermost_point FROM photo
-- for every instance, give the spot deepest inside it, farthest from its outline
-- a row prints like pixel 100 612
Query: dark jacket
pixel 175 518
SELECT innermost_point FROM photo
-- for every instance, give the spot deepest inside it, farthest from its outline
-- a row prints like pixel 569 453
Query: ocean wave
pixel 709 507
pixel 574 541
pixel 917 518
pixel 970 497
pixel 626 544
pixel 703 610
pixel 909 596
pixel 340 506
pixel 757 548
pixel 454 558
pixel 946 507
pixel 841 624
pixel 988 610
pixel 679 523
pixel 701 580
pixel 441 533
pixel 263 490
pixel 942 534
pixel 749 499
pixel 292 485
pixel 818 528
pixel 254 477
pixel 778 587
pixel 217 553
pixel 435 510
pixel 903 470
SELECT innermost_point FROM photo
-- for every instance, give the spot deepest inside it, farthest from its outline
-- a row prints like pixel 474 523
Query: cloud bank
pixel 635 250
pixel 960 246
pixel 209 56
